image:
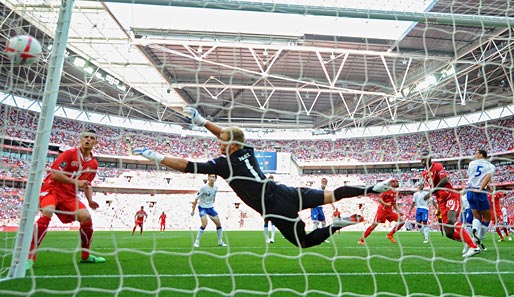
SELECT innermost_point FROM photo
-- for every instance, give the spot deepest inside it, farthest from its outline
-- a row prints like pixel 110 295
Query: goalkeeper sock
pixel 318 236
pixel 348 191
pixel 40 227
pixel 86 235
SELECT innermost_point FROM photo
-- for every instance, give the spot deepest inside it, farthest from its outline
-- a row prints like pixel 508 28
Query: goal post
pixel 40 151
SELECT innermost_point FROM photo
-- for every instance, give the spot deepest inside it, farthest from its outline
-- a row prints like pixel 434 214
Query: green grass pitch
pixel 165 264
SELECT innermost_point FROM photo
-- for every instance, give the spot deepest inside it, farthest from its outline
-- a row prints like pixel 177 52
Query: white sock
pixel 199 234
pixel 266 232
pixel 483 231
pixel 273 232
pixel 220 235
pixel 477 225
pixel 426 232
pixel 316 224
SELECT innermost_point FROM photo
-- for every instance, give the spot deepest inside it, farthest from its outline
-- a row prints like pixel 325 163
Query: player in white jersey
pixel 420 201
pixel 480 173
pixel 205 200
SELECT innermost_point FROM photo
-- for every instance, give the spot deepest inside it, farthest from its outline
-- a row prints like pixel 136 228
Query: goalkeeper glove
pixel 195 117
pixel 149 154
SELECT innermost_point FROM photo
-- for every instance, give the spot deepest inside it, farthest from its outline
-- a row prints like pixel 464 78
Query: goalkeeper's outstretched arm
pixel 178 164
pixel 175 163
pixel 198 120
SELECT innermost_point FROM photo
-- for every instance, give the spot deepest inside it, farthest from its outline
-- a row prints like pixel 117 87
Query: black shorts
pixel 282 208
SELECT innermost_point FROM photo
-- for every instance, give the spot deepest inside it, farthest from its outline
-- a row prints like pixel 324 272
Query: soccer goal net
pixel 354 93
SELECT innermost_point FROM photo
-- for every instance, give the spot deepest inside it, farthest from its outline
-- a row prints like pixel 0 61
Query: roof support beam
pixel 273 7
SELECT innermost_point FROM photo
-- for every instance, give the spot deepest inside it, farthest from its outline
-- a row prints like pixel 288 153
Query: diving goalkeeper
pixel 277 202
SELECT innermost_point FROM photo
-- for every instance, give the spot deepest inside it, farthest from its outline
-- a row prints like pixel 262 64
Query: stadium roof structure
pixel 273 65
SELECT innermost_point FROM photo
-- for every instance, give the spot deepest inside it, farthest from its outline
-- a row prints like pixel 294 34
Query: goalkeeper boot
pixel 347 221
pixel 385 185
pixel 93 259
pixel 221 243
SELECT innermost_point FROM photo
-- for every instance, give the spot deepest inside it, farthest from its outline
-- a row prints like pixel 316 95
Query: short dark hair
pixel 90 132
pixel 483 152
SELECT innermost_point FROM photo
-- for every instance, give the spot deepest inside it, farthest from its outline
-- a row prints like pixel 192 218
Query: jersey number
pixel 479 171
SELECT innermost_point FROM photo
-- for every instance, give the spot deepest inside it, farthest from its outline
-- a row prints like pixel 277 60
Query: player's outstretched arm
pixel 198 120
pixel 178 164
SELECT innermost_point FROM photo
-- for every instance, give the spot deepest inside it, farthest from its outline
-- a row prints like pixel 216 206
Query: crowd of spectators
pixel 17 124
pixel 495 136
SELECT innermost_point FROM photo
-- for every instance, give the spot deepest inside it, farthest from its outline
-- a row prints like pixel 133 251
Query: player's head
pixel 421 186
pixel 324 183
pixel 426 159
pixel 481 154
pixel 211 178
pixel 88 139
pixel 232 139
pixel 395 183
pixel 142 207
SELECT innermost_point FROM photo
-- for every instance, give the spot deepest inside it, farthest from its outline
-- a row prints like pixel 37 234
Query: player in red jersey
pixel 496 213
pixel 162 221
pixel 140 218
pixel 447 202
pixel 73 170
pixel 385 213
pixel 336 215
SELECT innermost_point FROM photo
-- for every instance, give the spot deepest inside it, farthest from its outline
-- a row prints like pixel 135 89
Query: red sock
pixel 499 232
pixel 396 228
pixel 367 232
pixel 460 234
pixel 506 231
pixel 39 233
pixel 86 235
pixel 134 229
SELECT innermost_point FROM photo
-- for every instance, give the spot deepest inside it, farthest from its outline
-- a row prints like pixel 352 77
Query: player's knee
pixel 48 211
pixel 83 216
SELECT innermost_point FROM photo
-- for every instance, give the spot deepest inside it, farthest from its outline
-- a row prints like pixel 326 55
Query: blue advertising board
pixel 267 161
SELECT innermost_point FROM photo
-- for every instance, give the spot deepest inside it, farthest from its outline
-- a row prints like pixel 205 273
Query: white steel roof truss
pixel 331 81
pixel 308 111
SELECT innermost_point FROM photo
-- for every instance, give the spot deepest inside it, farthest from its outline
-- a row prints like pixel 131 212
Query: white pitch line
pixel 271 274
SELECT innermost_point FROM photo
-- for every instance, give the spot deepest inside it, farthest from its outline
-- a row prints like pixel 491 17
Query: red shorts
pixel 62 204
pixel 139 223
pixel 386 215
pixel 447 200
